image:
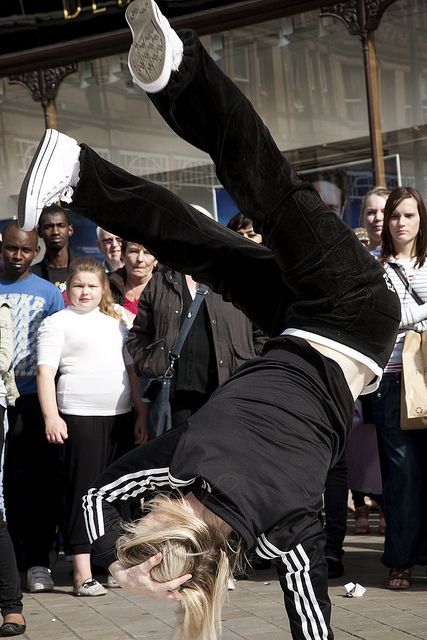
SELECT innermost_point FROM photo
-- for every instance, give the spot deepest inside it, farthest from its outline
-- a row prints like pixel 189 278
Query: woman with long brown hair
pixel 404 240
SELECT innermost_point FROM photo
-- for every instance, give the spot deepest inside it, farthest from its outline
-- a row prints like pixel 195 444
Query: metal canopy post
pixel 362 18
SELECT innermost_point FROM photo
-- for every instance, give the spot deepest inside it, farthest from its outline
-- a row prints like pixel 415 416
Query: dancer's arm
pixel 136 475
pixel 138 579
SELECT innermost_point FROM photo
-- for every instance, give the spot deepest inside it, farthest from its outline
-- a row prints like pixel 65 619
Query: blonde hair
pixel 90 265
pixel 188 544
pixel 361 234
pixel 381 192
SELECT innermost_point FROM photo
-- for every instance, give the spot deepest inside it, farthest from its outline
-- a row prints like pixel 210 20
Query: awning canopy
pixel 44 33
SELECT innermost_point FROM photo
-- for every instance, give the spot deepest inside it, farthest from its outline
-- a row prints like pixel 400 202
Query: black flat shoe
pixel 12 629
pixel 335 568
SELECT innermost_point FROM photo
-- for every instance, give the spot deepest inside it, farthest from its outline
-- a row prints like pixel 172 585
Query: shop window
pixel 25 150
pixel 195 171
pixel 354 93
pixel 142 164
pixel 241 73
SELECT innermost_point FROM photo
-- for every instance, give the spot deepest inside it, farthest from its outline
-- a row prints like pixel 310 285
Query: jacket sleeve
pixel 136 475
pixel 142 332
pixel 259 339
pixel 6 339
pixel 412 315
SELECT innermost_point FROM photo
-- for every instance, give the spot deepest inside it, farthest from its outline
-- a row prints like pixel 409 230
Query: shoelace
pixel 66 196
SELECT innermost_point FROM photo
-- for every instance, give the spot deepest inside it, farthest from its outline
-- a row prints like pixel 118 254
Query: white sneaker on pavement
pixel 112 583
pixel 39 579
pixel 156 50
pixel 90 588
pixel 53 172
pixel 230 584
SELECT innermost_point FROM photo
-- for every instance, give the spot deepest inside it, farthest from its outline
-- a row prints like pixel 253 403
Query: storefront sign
pixel 73 8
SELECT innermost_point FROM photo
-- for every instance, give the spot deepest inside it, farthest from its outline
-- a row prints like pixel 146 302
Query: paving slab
pixel 254 611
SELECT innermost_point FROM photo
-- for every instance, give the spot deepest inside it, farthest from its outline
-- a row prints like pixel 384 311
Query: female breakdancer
pixel 252 462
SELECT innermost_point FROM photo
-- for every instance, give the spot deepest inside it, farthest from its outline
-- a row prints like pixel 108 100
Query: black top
pixel 196 368
pixel 245 453
pixel 55 275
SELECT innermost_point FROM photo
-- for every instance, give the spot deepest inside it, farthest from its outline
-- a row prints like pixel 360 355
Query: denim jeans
pixel 403 462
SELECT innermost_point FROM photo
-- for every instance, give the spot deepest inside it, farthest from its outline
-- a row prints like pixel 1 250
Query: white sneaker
pixel 156 50
pixel 39 579
pixel 90 588
pixel 52 174
pixel 112 583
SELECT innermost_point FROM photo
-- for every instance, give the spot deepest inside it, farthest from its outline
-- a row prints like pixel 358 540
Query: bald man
pixel 31 463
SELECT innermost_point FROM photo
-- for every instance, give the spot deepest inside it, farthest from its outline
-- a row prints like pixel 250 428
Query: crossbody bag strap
pixel 396 268
pixel 190 316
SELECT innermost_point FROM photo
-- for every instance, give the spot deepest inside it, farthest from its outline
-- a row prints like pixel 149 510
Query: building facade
pixel 305 74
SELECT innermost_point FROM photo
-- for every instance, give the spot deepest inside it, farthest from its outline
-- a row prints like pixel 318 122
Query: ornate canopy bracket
pixel 43 84
pixel 358 16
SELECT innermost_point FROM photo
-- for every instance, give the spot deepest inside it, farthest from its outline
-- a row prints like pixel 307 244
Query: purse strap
pixel 396 268
pixel 190 317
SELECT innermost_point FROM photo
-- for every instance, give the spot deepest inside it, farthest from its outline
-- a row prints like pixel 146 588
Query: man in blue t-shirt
pixel 31 464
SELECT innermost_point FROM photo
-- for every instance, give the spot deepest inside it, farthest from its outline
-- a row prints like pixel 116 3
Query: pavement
pixel 254 611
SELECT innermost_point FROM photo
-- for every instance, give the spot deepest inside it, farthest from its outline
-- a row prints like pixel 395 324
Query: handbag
pixel 413 401
pixel 157 390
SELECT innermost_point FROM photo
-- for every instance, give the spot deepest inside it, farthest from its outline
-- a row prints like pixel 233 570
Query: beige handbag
pixel 413 398
pixel 413 405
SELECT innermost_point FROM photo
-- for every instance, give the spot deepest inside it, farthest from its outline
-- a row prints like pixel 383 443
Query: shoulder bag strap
pixel 190 316
pixel 396 268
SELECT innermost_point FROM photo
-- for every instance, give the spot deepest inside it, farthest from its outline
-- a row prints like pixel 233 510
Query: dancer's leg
pixel 341 289
pixel 303 576
pixel 183 238
pixel 337 289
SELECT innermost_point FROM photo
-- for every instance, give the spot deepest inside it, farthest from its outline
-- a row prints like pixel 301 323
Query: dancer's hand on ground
pixel 56 430
pixel 138 579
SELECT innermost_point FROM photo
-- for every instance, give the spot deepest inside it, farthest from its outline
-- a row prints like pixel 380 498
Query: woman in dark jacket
pixel 220 340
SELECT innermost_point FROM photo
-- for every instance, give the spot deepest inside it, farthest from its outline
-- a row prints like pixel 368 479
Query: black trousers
pixel 10 583
pixel 185 403
pixel 93 443
pixel 314 275
pixel 335 501
pixel 31 482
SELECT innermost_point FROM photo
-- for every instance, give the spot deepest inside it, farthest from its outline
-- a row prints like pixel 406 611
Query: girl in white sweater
pixel 90 410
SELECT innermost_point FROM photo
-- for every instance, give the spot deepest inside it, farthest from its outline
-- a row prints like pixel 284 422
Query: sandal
pixel 399 578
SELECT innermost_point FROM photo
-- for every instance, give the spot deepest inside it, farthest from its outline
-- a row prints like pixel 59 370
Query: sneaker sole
pixel 150 57
pixel 89 595
pixel 28 211
pixel 39 589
